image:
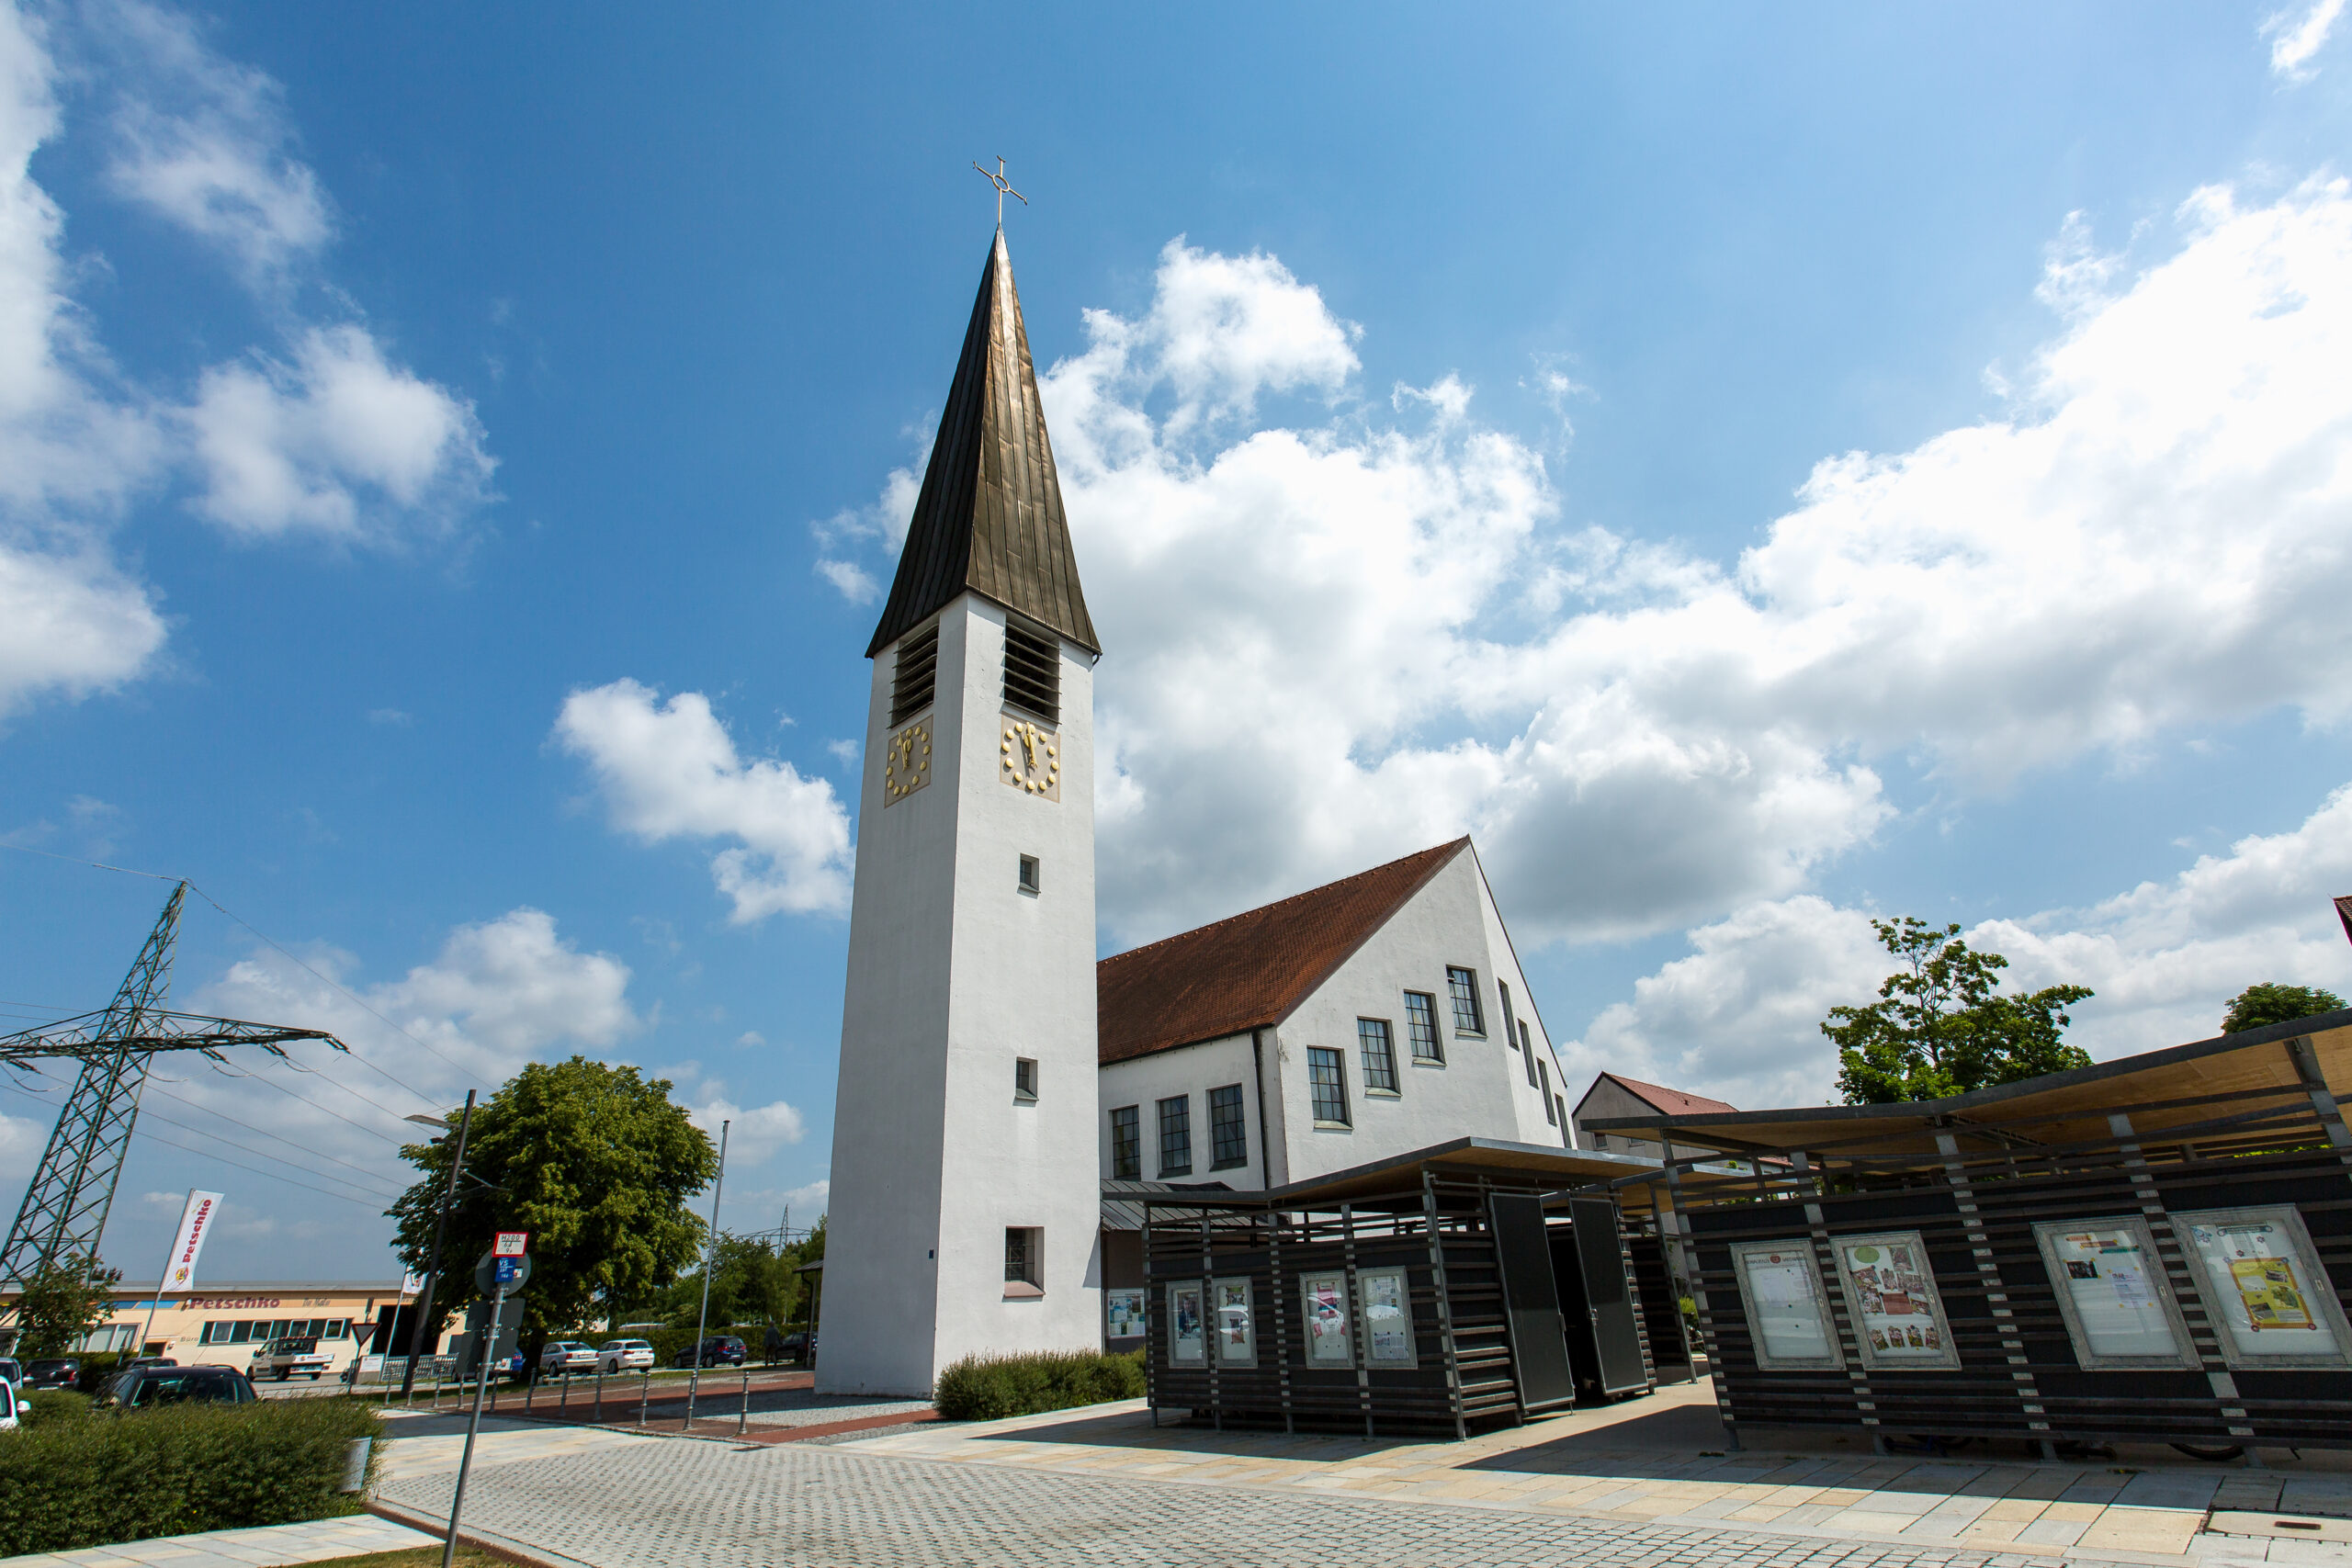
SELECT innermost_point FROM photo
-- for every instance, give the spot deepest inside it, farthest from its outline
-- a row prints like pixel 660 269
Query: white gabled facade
pixel 1484 1086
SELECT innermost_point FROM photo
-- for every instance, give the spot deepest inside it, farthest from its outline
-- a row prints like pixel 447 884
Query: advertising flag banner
pixel 195 1221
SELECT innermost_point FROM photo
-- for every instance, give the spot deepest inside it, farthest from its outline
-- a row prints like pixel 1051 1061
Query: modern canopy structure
pixel 64 1211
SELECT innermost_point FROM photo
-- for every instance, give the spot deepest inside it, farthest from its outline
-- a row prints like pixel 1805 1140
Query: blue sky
pixel 1753 469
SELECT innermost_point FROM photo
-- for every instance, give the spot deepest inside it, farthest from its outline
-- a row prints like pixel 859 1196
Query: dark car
pixel 148 1387
pixel 799 1345
pixel 719 1350
pixel 11 1372
pixel 52 1372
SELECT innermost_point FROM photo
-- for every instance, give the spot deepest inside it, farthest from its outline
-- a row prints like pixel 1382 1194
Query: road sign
pixel 511 1244
pixel 494 1274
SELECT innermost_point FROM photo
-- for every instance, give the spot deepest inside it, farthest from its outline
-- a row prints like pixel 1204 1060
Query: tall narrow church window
pixel 1549 1114
pixel 1176 1136
pixel 1464 984
pixel 1127 1151
pixel 1229 1138
pixel 914 676
pixel 1421 1026
pixel 1032 669
pixel 1379 1055
pixel 1327 1082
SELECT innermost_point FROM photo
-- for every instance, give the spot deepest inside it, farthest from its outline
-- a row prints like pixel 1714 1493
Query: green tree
pixel 65 1299
pixel 1941 1025
pixel 597 1163
pixel 753 1281
pixel 2269 1003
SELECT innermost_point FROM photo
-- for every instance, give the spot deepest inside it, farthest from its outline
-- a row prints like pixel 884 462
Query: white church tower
pixel 965 1211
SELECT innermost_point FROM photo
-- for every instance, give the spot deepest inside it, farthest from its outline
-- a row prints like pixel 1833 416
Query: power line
pixel 272 1083
pixel 264 1132
pixel 151 1115
pixel 267 1175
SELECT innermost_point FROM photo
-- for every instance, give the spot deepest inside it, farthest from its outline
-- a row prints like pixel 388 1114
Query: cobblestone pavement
pixel 690 1504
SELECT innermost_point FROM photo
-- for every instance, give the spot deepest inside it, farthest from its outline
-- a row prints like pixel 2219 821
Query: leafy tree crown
pixel 1942 1025
pixel 2270 1002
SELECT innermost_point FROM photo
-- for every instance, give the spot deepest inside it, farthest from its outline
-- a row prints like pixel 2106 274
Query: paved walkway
pixel 312 1542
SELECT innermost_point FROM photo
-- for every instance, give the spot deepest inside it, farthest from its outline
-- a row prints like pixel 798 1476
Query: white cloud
pixel 336 442
pixel 204 141
pixel 880 526
pixel 2295 38
pixel 22 1139
pixel 669 770
pixel 757 1131
pixel 1741 1018
pixel 810 1201
pixel 71 623
pixel 1333 643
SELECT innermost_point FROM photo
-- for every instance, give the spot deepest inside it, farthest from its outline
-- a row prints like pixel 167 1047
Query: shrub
pixel 988 1388
pixel 54 1404
pixel 99 1479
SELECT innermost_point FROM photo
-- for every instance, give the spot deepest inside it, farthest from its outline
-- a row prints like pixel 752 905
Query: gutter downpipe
pixel 1258 1072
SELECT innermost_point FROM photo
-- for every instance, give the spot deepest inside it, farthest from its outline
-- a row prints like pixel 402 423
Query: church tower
pixel 965 1209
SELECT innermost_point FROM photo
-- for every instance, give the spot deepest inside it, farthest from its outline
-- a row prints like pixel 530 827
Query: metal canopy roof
pixel 1549 1167
pixel 2173 1087
pixel 988 519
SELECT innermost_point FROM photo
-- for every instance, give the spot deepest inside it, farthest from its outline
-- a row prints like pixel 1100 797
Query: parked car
pixel 562 1358
pixel 625 1356
pixel 148 1387
pixel 11 1405
pixel 151 1361
pixel 295 1356
pixel 800 1345
pixel 719 1350
pixel 52 1372
pixel 11 1372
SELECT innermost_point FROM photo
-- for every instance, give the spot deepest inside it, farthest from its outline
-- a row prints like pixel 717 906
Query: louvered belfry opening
pixel 1032 669
pixel 914 678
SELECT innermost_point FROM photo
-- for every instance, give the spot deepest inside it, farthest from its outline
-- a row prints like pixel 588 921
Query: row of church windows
pixel 1228 1134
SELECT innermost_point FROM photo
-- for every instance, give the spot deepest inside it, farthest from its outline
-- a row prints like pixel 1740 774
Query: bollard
pixel 693 1383
pixel 563 1400
pixel 743 1412
pixel 530 1389
pixel 644 1387
pixel 598 1418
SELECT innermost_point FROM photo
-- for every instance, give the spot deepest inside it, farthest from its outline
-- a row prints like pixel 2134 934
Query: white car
pixel 625 1356
pixel 12 1405
pixel 564 1357
pixel 297 1356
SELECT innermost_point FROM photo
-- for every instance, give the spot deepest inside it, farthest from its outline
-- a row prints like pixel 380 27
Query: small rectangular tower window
pixel 1379 1055
pixel 1463 985
pixel 1421 1026
pixel 1228 1138
pixel 1032 669
pixel 1176 1136
pixel 1029 873
pixel 1025 1079
pixel 914 675
pixel 1327 1081
pixel 1022 1261
pixel 1126 1153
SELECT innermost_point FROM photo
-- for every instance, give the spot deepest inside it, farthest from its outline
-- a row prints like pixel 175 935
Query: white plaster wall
pixel 1195 1070
pixel 1481 1092
pixel 954 974
pixel 1502 963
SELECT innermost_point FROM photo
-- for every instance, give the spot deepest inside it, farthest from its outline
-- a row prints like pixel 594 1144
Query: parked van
pixel 288 1357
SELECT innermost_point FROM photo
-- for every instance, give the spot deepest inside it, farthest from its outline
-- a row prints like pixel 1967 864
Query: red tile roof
pixel 1673 1101
pixel 1249 971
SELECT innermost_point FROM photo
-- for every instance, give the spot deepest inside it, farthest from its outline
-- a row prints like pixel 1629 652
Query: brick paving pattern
pixel 685 1504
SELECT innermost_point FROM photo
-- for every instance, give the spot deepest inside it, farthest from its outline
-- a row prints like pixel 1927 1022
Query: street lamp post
pixel 710 1261
pixel 440 1232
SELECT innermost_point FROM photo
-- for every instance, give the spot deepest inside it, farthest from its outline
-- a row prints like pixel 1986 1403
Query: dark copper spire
pixel 989 518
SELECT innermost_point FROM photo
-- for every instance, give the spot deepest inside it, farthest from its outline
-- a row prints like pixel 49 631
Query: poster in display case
pixel 1891 1295
pixel 2263 1284
pixel 1328 1342
pixel 1187 1330
pixel 1387 1317
pixel 1237 1326
pixel 2111 1290
pixel 1788 1312
pixel 1122 1315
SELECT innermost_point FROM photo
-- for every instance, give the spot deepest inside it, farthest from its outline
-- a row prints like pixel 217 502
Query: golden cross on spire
pixel 1003 189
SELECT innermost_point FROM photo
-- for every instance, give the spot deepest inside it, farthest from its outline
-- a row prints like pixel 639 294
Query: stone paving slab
pixel 691 1504
pixel 261 1547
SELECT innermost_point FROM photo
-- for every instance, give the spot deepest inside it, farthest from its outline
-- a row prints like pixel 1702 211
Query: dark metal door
pixel 1601 1251
pixel 1539 1344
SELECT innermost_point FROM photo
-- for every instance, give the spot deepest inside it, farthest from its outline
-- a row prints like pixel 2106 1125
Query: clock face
pixel 1029 758
pixel 906 763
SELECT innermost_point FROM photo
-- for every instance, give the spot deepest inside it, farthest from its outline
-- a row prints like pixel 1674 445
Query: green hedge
pixel 988 1388
pixel 93 1480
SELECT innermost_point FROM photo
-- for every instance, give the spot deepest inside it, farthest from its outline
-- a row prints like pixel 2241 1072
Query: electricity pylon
pixel 64 1212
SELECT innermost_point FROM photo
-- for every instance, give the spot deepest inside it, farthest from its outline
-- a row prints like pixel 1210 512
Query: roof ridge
pixel 1291 899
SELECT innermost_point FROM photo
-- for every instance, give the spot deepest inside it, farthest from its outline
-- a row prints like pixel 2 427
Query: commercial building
pixel 224 1321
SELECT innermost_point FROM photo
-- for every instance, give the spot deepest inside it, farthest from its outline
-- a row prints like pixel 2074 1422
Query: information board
pixel 1787 1313
pixel 1237 1326
pixel 1329 1343
pixel 1387 1317
pixel 2264 1284
pixel 2112 1289
pixel 1890 1294
pixel 1187 1330
pixel 1122 1313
